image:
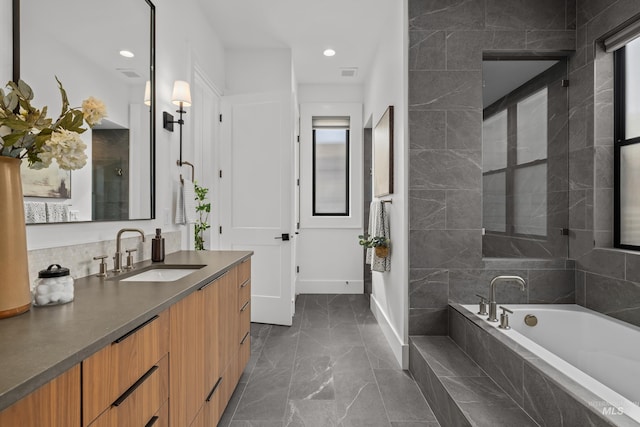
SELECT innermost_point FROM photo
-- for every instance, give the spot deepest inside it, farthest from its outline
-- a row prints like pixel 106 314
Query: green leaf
pixel 25 89
pixel 63 95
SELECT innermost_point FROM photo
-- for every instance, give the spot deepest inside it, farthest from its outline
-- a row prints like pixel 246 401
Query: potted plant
pixel 203 209
pixel 378 243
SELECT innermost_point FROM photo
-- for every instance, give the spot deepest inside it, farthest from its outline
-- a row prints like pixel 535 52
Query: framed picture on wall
pixel 383 155
pixel 51 182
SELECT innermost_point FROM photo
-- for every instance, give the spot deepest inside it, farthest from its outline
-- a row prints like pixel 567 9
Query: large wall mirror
pixel 525 158
pixel 85 43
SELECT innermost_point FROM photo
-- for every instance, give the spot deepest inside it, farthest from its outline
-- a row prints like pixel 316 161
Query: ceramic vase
pixel 15 296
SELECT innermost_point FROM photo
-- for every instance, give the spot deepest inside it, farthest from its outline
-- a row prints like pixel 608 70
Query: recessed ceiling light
pixel 127 53
pixel 329 52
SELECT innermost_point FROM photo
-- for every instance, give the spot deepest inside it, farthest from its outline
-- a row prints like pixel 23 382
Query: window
pixel 514 151
pixel 330 166
pixel 627 146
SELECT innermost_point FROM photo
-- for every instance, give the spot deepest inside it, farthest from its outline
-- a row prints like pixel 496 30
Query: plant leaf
pixel 63 95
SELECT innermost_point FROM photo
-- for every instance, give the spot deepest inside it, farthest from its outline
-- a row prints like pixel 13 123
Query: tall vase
pixel 15 296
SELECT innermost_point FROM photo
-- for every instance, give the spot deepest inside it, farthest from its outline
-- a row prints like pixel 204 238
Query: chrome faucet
pixel 117 259
pixel 493 305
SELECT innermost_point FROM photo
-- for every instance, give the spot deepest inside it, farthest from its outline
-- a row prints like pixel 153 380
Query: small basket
pixel 382 251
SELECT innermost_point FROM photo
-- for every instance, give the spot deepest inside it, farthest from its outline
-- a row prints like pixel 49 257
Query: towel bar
pixel 193 170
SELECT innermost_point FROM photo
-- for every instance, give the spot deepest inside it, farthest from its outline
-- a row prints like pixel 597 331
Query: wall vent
pixel 128 72
pixel 348 72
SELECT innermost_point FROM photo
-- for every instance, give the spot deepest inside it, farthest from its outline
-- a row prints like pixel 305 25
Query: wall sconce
pixel 182 98
pixel 147 93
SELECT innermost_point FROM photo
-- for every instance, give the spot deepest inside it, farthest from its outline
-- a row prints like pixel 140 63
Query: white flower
pixel 93 110
pixel 67 148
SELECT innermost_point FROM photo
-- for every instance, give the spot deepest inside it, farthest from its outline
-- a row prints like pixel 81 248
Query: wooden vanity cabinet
pixel 127 381
pixel 55 404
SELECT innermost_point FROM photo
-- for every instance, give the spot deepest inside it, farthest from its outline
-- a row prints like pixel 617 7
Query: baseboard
pixel 329 287
pixel 398 347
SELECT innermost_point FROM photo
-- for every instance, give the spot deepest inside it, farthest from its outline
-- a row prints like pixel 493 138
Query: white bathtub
pixel 599 352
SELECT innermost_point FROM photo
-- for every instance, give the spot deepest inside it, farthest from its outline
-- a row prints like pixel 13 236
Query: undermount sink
pixel 163 273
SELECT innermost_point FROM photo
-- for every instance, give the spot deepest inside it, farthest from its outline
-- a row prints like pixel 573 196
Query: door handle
pixel 284 237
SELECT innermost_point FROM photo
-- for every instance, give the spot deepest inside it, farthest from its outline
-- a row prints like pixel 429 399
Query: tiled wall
pixel 79 258
pixel 447 40
pixel 607 280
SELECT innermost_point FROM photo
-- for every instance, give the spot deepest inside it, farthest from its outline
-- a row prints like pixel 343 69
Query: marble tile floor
pixel 333 367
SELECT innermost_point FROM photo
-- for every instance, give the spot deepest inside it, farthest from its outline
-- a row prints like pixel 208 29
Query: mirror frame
pixel 152 78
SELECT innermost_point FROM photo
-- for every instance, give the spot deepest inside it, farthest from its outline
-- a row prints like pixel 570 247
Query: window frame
pixel 347 174
pixel 619 141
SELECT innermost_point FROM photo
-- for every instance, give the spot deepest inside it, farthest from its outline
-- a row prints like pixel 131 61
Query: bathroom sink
pixel 165 273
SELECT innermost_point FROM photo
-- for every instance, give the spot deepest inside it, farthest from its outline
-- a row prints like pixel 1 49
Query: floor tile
pixel 319 372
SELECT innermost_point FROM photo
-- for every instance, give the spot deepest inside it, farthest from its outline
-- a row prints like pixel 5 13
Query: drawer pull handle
pixel 246 260
pixel 134 330
pixel 244 338
pixel 152 421
pixel 133 388
pixel 244 307
pixel 213 390
pixel 220 276
pixel 245 283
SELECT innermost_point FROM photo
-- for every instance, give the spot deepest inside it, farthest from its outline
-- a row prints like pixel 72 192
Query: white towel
pixel 57 212
pixel 180 205
pixel 378 227
pixel 189 197
pixel 35 212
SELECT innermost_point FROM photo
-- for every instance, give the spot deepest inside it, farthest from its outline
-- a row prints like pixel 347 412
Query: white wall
pixel 326 93
pixel 328 253
pixel 258 71
pixel 387 85
pixel 174 52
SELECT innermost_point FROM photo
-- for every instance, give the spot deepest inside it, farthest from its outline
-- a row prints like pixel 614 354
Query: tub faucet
pixel 493 305
pixel 117 259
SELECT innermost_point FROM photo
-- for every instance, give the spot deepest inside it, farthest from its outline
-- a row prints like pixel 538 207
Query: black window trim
pixel 620 141
pixel 313 179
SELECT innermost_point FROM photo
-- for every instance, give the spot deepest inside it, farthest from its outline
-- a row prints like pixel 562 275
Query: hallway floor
pixel 333 367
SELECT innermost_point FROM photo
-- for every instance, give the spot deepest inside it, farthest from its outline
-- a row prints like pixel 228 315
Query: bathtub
pixel 598 352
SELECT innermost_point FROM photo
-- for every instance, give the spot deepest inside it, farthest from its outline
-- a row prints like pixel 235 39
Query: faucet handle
pixel 504 318
pixel 482 305
pixel 103 265
pixel 129 265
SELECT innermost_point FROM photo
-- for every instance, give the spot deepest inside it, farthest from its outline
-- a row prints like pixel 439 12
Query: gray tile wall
pixel 446 42
pixel 607 280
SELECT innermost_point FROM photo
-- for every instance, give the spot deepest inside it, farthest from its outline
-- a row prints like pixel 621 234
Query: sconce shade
pixel 181 93
pixel 147 93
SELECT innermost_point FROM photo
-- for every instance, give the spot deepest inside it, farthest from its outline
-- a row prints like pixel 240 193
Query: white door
pixel 256 196
pixel 204 114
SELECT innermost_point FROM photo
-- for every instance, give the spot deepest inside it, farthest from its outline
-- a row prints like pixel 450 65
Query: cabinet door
pixel 228 318
pixel 187 357
pixel 55 404
pixel 211 300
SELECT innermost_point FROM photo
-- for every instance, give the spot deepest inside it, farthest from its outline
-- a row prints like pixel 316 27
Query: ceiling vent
pixel 348 72
pixel 128 72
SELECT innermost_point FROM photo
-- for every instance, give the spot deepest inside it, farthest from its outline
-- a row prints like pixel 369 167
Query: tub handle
pixel 504 318
pixel 482 305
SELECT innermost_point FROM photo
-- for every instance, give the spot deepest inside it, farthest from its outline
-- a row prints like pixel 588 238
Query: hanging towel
pixel 189 197
pixel 57 212
pixel 180 205
pixel 378 227
pixel 35 212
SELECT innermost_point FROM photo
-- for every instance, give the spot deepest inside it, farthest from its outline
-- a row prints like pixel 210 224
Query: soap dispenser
pixel 157 247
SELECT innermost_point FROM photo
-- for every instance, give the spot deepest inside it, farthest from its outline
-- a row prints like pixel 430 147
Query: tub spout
pixel 493 305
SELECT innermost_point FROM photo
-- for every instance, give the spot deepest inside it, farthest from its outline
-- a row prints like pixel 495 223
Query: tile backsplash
pixel 79 258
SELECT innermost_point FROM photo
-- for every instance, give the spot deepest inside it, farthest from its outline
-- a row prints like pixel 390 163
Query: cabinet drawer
pixel 244 326
pixel 110 372
pixel 141 404
pixel 244 271
pixel 244 292
pixel 244 354
pixel 161 418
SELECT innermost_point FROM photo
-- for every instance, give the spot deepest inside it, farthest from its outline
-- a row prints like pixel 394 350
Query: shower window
pixel 330 166
pixel 514 151
pixel 627 146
